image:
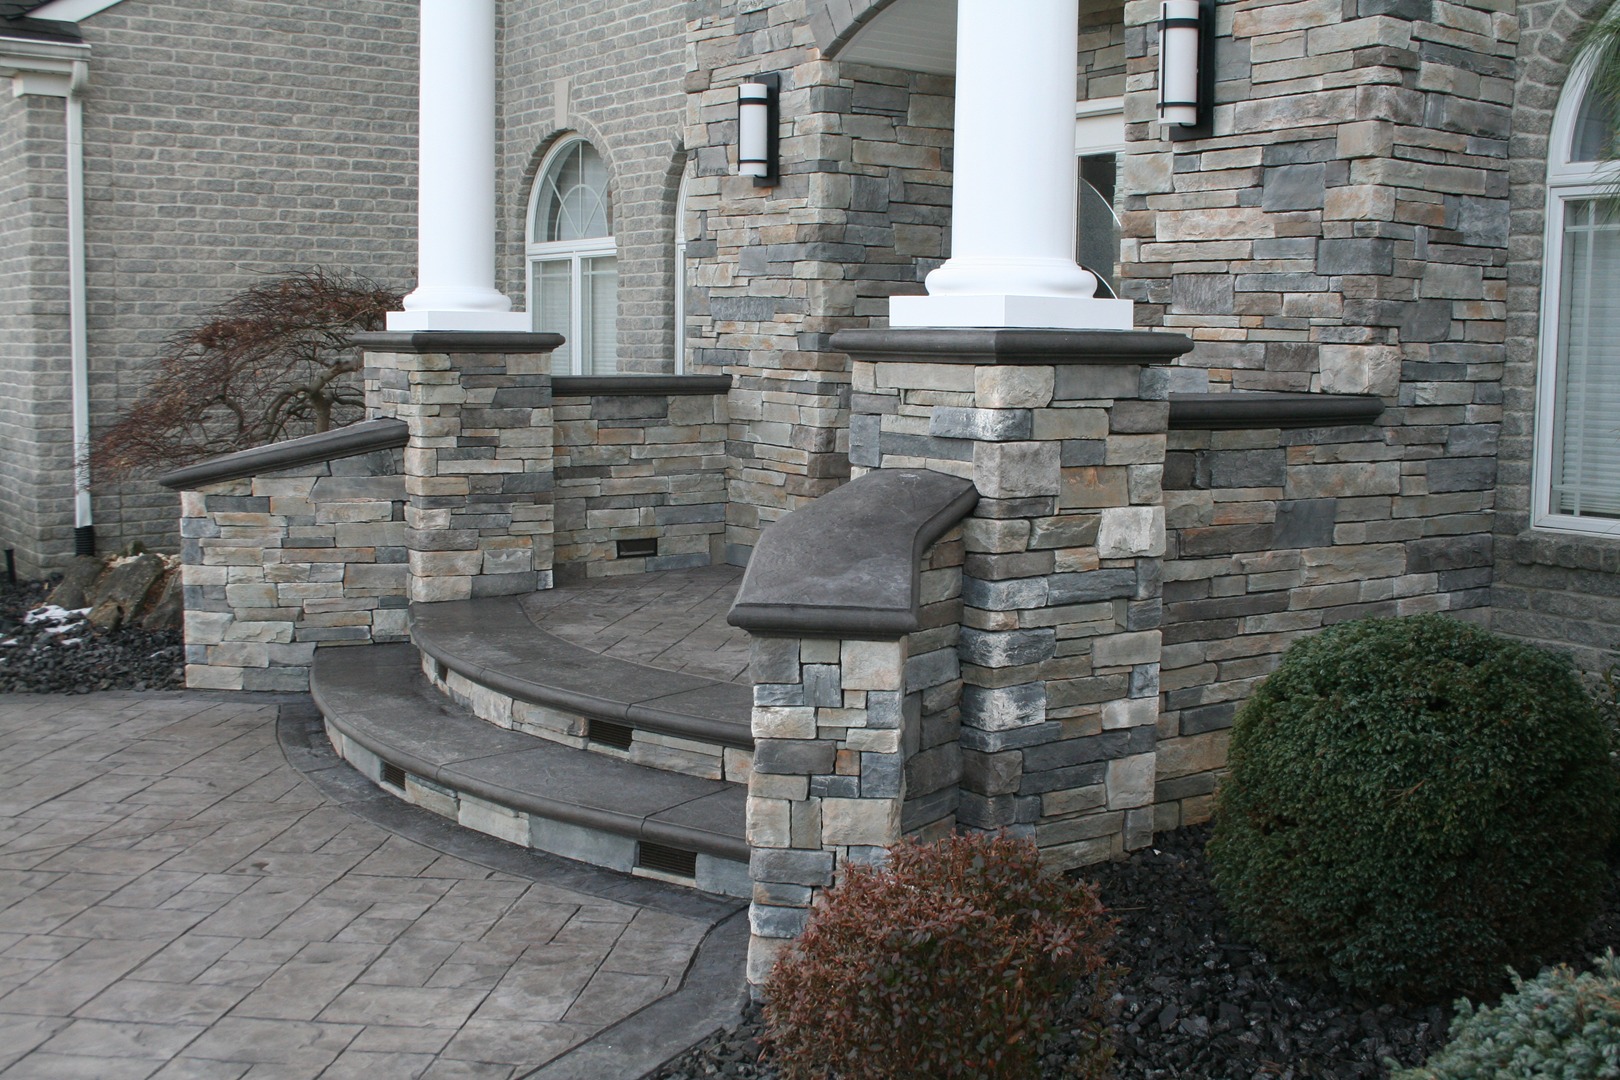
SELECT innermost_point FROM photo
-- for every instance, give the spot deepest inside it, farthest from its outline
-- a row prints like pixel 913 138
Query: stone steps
pixel 387 720
pixel 489 656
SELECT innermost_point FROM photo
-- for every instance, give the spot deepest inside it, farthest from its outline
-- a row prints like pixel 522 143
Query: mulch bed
pixel 45 651
pixel 1195 1004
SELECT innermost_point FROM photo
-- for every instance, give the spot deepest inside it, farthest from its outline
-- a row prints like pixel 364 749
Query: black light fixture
pixel 1186 68
pixel 756 128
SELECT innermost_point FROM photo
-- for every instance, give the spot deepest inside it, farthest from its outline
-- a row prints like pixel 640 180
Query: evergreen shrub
pixel 955 960
pixel 1561 1026
pixel 1413 805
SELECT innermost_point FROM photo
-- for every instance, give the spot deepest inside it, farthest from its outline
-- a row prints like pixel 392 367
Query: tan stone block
pixel 1130 781
pixel 860 822
pixel 1013 386
pixel 1131 532
pixel 784 722
pixel 872 740
pixel 1129 712
pixel 1192 754
pixel 209 677
pixel 769 822
pixel 1088 487
pixel 1124 650
pixel 872 665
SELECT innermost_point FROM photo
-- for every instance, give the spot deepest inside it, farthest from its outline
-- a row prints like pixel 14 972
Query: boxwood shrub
pixel 956 960
pixel 1561 1026
pixel 1413 805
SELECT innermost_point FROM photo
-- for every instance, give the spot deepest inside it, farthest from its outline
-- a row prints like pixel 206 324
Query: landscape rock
pixel 80 575
pixel 118 595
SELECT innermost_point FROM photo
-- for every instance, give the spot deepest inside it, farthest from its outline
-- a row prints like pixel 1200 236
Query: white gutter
pixel 62 69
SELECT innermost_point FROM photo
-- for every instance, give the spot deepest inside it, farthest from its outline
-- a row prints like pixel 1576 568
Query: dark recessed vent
pixel 607 733
pixel 666 860
pixel 638 549
pixel 393 776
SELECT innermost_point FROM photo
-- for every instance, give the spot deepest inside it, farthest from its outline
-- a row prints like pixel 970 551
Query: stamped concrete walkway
pixel 178 900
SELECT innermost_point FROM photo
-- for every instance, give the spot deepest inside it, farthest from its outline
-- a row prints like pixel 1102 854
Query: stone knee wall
pixel 1277 533
pixel 279 564
pixel 639 467
pixel 933 728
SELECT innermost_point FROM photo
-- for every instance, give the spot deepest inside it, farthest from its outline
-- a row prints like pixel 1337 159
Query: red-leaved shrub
pixel 957 959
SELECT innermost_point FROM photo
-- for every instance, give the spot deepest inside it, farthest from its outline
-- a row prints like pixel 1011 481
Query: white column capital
pixel 1013 192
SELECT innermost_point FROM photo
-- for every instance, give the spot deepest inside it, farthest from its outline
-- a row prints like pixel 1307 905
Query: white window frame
pixel 681 239
pixel 573 251
pixel 1566 182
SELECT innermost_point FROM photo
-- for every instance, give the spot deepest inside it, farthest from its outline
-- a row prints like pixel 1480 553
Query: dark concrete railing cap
pixel 456 341
pixel 1225 412
pixel 847 565
pixel 637 385
pixel 1001 346
pixel 349 441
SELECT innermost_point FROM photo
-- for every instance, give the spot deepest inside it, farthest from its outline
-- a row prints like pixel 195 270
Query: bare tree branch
pixel 270 363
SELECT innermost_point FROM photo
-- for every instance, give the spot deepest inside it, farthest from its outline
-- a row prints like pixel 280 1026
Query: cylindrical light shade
pixel 753 129
pixel 1179 28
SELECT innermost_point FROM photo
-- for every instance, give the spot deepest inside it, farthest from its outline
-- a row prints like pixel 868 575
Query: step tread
pixel 377 696
pixel 492 642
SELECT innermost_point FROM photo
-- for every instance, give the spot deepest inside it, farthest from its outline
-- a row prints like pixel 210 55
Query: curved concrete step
pixel 395 728
pixel 506 670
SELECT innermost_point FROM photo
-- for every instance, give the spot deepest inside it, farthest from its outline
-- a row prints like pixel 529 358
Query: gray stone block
pixel 790 757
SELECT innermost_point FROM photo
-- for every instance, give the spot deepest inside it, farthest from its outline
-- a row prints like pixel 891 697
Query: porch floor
pixel 674 620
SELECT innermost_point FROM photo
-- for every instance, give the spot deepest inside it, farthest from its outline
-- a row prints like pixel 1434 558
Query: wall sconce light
pixel 1186 68
pixel 756 128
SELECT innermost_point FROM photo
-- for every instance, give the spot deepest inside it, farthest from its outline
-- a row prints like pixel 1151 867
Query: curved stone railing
pixel 854 604
pixel 365 437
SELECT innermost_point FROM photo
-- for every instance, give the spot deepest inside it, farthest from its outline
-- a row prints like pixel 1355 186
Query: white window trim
pixel 559 250
pixel 1566 181
pixel 1099 126
pixel 681 239
pixel 71 10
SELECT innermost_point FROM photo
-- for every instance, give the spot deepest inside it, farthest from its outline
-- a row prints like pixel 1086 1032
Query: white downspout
pixel 84 540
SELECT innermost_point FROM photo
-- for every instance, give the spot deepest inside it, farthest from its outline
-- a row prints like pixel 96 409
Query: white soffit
pixel 913 35
pixel 71 10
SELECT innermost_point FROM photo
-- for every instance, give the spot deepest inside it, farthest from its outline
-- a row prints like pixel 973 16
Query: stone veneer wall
pixel 642 466
pixel 1343 230
pixel 930 739
pixel 860 213
pixel 1277 533
pixel 1061 619
pixel 478 467
pixel 1558 589
pixel 276 565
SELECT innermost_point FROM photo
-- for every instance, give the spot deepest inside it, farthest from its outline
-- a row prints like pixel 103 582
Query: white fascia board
pixel 71 10
pixel 40 67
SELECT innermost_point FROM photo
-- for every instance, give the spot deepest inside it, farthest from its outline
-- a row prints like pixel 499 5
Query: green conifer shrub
pixel 1413 805
pixel 953 961
pixel 1560 1026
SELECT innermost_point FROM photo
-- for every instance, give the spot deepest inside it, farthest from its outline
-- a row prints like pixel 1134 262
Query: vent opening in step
pixel 666 860
pixel 393 776
pixel 608 733
pixel 637 549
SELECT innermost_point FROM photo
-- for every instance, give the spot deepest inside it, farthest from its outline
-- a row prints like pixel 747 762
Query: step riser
pixel 711 873
pixel 671 753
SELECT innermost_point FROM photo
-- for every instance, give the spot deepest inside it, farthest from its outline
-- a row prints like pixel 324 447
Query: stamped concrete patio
pixel 177 899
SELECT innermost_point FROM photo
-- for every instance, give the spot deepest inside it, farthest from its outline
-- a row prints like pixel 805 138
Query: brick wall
pixel 36 458
pixel 1558 589
pixel 622 68
pixel 223 140
pixel 649 466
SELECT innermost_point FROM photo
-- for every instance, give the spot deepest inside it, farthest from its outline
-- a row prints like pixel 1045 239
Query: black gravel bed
pixel 65 655
pixel 1195 1004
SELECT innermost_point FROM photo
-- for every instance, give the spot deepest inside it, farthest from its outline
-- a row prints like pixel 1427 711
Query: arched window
pixel 573 260
pixel 1577 463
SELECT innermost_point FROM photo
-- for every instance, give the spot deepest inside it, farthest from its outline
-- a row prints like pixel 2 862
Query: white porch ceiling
pixel 913 35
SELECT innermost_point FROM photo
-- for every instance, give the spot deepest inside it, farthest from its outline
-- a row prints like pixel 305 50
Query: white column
pixel 455 268
pixel 1013 194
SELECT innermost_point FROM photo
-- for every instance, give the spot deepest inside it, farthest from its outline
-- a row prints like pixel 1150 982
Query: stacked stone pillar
pixel 478 467
pixel 1063 434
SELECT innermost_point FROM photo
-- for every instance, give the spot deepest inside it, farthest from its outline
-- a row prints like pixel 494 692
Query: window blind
pixel 1586 422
